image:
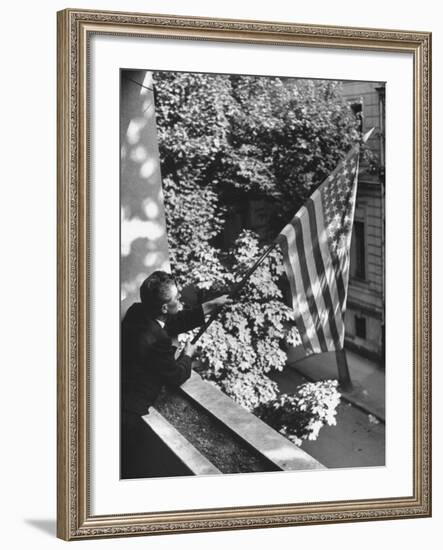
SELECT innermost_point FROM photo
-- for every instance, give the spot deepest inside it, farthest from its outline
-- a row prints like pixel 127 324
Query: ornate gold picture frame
pixel 75 519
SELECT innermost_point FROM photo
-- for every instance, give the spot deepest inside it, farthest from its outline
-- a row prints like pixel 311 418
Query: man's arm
pixel 172 371
pixel 190 318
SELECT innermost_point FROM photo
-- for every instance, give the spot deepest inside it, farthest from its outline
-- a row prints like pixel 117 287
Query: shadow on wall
pixel 144 244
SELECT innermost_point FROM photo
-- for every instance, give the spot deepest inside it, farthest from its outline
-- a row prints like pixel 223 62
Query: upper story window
pixel 357 109
pixel 357 260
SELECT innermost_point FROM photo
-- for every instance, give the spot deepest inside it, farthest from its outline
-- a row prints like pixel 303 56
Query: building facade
pixel 365 315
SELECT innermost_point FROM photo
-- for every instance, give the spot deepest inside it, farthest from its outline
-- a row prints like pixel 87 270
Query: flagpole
pixel 238 286
pixel 344 376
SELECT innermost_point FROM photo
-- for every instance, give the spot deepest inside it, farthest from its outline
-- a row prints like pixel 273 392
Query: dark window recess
pixel 360 327
pixel 358 267
pixel 357 109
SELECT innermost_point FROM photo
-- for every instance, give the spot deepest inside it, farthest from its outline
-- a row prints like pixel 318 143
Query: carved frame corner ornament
pixel 75 27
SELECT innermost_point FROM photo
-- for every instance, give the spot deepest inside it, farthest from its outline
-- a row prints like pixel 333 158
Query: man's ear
pixel 165 308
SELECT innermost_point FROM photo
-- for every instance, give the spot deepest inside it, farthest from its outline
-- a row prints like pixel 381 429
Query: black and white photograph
pixel 252 273
pixel 218 233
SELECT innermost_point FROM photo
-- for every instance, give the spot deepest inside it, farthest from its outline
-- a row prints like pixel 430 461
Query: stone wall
pixel 198 430
pixel 144 245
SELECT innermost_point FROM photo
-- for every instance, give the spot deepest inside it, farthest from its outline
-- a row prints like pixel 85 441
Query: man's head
pixel 159 294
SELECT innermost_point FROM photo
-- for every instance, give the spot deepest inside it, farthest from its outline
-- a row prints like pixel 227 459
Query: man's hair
pixel 156 291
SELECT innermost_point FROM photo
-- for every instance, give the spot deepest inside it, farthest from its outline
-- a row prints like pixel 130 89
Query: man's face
pixel 174 303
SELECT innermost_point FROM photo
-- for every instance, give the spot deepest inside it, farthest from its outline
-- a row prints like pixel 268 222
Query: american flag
pixel 316 250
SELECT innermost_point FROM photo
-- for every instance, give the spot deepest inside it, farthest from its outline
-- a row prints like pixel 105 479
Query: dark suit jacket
pixel 147 355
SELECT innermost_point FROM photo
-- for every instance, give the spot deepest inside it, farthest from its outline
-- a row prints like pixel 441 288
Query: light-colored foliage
pixel 301 415
pixel 224 139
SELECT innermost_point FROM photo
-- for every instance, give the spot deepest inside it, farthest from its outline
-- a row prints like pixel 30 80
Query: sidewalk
pixel 368 378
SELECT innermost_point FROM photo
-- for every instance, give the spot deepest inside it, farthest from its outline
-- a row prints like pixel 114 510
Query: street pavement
pixel 358 438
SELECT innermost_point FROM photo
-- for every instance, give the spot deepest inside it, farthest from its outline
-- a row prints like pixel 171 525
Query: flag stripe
pixel 302 302
pixel 340 283
pixel 316 276
pixel 327 263
pixel 307 284
pixel 321 273
pixel 298 318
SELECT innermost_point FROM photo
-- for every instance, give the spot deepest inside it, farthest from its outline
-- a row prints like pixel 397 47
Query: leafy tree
pixel 224 139
pixel 233 137
pixel 250 338
pixel 190 123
